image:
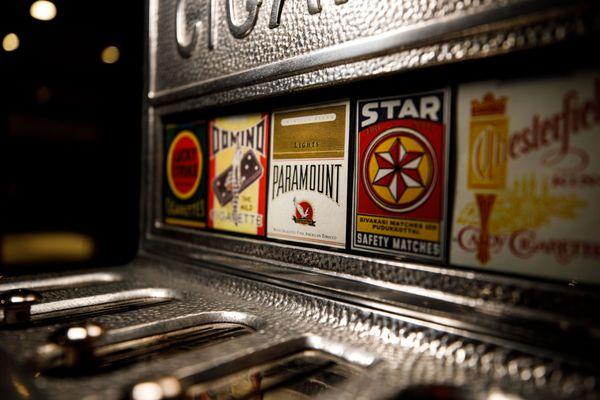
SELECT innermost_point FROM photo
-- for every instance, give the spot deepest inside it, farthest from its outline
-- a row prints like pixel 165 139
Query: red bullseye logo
pixel 184 165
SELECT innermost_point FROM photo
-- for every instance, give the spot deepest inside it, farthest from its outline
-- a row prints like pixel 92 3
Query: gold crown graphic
pixel 489 105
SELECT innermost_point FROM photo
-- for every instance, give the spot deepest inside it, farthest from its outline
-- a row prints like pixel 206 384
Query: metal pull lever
pixel 24 307
pixel 86 348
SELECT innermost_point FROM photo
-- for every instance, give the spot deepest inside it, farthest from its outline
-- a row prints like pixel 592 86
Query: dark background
pixel 70 125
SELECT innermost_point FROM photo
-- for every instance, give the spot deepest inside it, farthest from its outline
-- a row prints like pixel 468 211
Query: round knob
pixel 16 305
pixel 78 343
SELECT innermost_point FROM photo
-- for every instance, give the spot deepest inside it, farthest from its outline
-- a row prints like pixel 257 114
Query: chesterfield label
pixel 185 175
pixel 400 175
pixel 309 175
pixel 528 178
pixel 237 173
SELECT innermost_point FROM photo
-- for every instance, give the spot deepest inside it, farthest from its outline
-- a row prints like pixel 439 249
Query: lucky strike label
pixel 401 151
pixel 184 194
pixel 237 173
pixel 528 177
pixel 309 175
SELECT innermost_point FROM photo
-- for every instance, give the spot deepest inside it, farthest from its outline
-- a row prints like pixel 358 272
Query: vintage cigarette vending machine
pixel 344 199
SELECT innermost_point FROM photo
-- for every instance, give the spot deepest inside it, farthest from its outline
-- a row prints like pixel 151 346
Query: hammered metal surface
pixel 298 33
pixel 557 298
pixel 411 351
pixel 337 35
pixel 521 34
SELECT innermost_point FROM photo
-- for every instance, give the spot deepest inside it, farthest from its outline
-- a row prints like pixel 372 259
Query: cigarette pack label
pixel 309 175
pixel 185 175
pixel 528 177
pixel 237 173
pixel 401 153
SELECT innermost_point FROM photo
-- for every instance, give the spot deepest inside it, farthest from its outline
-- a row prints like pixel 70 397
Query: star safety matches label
pixel 401 152
pixel 528 177
pixel 184 194
pixel 237 173
pixel 309 175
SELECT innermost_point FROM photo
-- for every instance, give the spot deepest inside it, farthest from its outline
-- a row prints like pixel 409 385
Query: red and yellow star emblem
pixel 400 169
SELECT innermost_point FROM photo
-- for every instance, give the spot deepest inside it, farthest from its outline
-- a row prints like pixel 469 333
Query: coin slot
pixel 89 306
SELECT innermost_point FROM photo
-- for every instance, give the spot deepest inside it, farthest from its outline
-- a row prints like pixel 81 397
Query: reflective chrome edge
pixel 59 282
pixel 182 322
pixel 102 299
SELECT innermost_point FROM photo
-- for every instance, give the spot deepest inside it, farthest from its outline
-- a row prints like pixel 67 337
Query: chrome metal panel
pixel 337 33
pixel 413 325
pixel 523 311
pixel 519 310
pixel 556 22
pixel 403 351
pixel 424 324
